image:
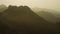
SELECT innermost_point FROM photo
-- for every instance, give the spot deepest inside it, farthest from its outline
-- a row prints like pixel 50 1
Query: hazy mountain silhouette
pixel 2 8
pixel 22 13
pixel 22 20
pixel 48 14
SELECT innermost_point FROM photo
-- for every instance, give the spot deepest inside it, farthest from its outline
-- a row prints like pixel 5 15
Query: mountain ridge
pixel 24 21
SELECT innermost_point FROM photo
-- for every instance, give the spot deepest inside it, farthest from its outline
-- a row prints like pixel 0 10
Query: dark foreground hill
pixel 22 20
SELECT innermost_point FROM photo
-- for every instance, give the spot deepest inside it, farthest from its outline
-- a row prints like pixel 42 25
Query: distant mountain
pixel 48 14
pixel 23 20
pixel 22 12
pixel 2 8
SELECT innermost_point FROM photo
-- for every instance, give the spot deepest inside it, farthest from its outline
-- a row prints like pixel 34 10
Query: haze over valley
pixel 30 17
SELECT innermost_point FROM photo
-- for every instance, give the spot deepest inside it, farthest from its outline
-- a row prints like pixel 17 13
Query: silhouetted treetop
pixel 25 7
pixel 12 7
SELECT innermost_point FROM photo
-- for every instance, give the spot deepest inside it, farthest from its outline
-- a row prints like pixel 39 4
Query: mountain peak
pixel 23 20
pixel 23 12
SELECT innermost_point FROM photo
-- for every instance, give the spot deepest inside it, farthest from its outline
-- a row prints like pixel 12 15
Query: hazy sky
pixel 50 4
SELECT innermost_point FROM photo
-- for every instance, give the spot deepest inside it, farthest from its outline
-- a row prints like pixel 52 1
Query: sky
pixel 49 4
